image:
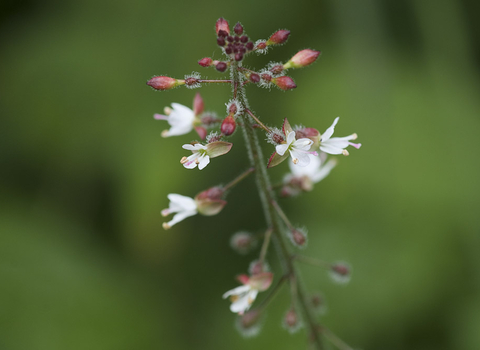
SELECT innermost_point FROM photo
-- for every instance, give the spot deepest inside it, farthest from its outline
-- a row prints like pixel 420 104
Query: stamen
pixel 165 133
pixel 184 160
pixel 345 152
pixel 160 117
pixel 313 153
pixel 166 226
pixel 197 161
pixel 295 160
pixel 167 110
pixel 356 145
pixel 233 298
pixel 165 212
pixel 354 136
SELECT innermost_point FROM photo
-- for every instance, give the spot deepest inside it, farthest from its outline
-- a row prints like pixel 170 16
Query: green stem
pixel 267 198
pixel 266 242
pixel 238 179
pixel 264 127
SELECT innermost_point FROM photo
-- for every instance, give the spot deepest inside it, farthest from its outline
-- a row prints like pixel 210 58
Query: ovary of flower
pixel 199 156
pixel 336 145
pixel 242 298
pixel 180 118
pixel 298 149
pixel 315 171
pixel 181 205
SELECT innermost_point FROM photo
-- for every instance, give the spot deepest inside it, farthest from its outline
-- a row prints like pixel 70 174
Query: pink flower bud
pixel 261 45
pixel 340 272
pixel 243 242
pixel 277 69
pixel 257 267
pixel 221 66
pixel 302 59
pixel 284 83
pixel 228 126
pixel 205 62
pixel 279 37
pixel 198 105
pixel 298 238
pixel 249 324
pixel 222 24
pixel 318 303
pixel 164 83
pixel 291 321
pixel 254 78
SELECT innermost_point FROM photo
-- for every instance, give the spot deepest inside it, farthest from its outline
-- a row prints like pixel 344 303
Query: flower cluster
pixel 306 148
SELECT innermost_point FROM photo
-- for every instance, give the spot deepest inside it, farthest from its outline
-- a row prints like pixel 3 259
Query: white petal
pixel 189 147
pixel 181 109
pixel 303 144
pixel 324 171
pixel 329 132
pixel 181 202
pixel 180 216
pixel 330 149
pixel 237 291
pixel 302 157
pixel 281 149
pixel 290 137
pixel 308 170
pixel 204 160
pixel 339 142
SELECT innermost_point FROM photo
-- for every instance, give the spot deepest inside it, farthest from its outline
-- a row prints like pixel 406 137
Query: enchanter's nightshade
pixel 304 147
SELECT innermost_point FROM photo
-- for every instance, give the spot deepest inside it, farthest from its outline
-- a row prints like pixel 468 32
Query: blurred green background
pixel 84 173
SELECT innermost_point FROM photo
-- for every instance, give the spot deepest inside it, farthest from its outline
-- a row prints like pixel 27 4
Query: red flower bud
pixel 279 37
pixel 277 69
pixel 238 29
pixel 222 24
pixel 205 62
pixel 221 66
pixel 261 45
pixel 298 238
pixel 284 83
pixel 228 126
pixel 302 59
pixel 254 78
pixel 291 321
pixel 340 272
pixel 164 83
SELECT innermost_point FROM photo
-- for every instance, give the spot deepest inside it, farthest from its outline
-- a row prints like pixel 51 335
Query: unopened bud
pixel 261 45
pixel 238 56
pixel 222 24
pixel 266 77
pixel 205 62
pixel 164 83
pixel 249 324
pixel 250 45
pixel 277 69
pixel 243 242
pixel 254 78
pixel 302 59
pixel 299 238
pixel 284 83
pixel 191 81
pixel 318 303
pixel 340 272
pixel 291 321
pixel 220 41
pixel 221 66
pixel 238 29
pixel 257 267
pixel 279 37
pixel 228 126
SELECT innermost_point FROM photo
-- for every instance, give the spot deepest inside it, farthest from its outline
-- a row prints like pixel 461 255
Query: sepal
pixel 276 159
pixel 218 148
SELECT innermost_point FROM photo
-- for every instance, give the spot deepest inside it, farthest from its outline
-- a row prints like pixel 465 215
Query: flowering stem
pixel 312 261
pixel 273 293
pixel 238 179
pixel 214 81
pixel 266 242
pixel 266 197
pixel 282 215
pixel 257 120
pixel 339 343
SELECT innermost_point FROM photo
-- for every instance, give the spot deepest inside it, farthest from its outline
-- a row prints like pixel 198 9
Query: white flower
pixel 298 149
pixel 180 118
pixel 199 157
pixel 181 205
pixel 315 171
pixel 336 145
pixel 243 297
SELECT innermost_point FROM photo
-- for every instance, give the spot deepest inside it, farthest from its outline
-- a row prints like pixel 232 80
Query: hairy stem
pixel 267 198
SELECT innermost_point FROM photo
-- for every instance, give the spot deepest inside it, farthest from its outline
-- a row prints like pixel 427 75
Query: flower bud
pixel 205 62
pixel 279 37
pixel 222 24
pixel 209 202
pixel 250 45
pixel 228 126
pixel 299 238
pixel 302 59
pixel 221 66
pixel 291 321
pixel 238 29
pixel 254 78
pixel 256 267
pixel 318 303
pixel 340 272
pixel 277 69
pixel 243 242
pixel 220 41
pixel 198 105
pixel 249 324
pixel 284 83
pixel 261 45
pixel 164 83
